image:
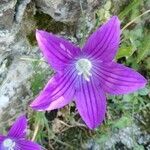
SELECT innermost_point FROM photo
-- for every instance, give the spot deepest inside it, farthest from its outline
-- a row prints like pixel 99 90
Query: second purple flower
pixel 15 139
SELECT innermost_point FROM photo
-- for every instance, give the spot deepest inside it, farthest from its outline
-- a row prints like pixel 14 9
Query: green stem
pixel 128 24
pixel 31 59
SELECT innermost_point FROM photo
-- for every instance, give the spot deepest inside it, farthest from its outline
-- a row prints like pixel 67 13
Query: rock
pixel 4 65
pixel 124 139
pixel 93 4
pixel 66 10
pixel 6 19
pixel 17 75
pixel 14 72
pixel 11 15
pixel 14 76
pixel 60 10
pixel 4 1
pixel 91 145
pixel 7 27
pixel 20 10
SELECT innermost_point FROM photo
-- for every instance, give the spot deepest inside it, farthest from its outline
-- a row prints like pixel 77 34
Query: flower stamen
pixel 83 67
pixel 9 144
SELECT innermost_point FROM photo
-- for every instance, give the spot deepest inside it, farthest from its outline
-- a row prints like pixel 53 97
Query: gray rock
pixel 13 87
pixel 66 10
pixel 60 10
pixel 7 5
pixel 20 10
pixel 6 19
pixel 14 72
pixel 4 1
pixel 124 139
pixel 11 15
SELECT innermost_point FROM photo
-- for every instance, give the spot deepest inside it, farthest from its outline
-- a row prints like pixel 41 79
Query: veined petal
pixel 18 129
pixel 57 51
pixel 91 103
pixel 27 145
pixel 104 42
pixel 1 138
pixel 118 79
pixel 57 93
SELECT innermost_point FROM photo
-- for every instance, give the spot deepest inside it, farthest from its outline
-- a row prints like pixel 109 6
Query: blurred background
pixel 23 71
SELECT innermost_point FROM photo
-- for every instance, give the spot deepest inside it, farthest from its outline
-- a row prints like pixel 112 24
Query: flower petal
pixel 27 145
pixel 1 138
pixel 1 141
pixel 58 92
pixel 18 129
pixel 91 103
pixel 118 79
pixel 57 51
pixel 104 42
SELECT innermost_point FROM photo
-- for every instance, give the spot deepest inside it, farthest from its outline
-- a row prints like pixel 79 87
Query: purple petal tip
pixel 32 105
pixel 37 31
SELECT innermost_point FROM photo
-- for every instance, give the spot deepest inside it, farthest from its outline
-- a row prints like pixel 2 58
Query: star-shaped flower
pixel 15 139
pixel 85 74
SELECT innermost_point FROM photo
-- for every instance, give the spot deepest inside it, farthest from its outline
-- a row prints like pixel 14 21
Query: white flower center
pixel 84 67
pixel 9 144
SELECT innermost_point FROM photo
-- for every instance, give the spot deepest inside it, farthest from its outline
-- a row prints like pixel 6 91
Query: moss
pixel 31 38
pixel 47 23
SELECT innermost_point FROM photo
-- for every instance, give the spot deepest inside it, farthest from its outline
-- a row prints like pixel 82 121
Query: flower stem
pixel 31 59
pixel 129 23
pixel 35 132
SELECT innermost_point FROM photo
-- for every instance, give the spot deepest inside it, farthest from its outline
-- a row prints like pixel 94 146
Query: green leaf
pixel 128 97
pixel 122 122
pixel 130 7
pixel 103 138
pixel 143 92
pixel 138 147
pixel 145 47
pixel 124 51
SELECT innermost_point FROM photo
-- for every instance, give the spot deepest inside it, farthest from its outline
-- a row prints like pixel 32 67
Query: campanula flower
pixel 15 139
pixel 85 74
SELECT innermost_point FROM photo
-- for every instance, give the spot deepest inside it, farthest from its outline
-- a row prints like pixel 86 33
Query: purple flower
pixel 85 75
pixel 15 139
